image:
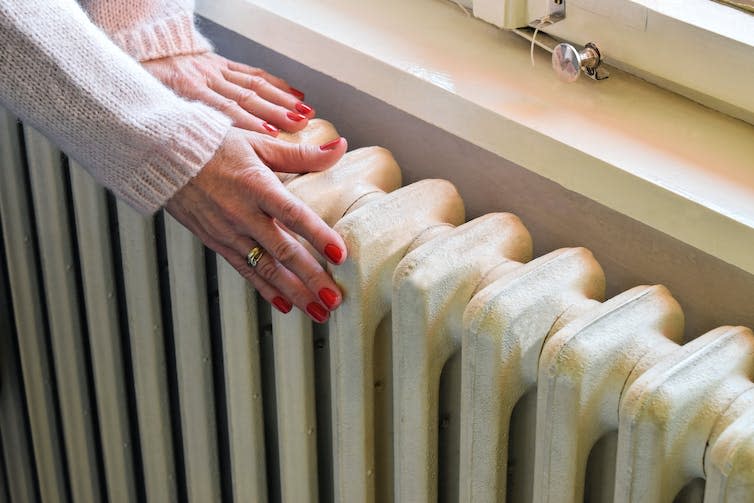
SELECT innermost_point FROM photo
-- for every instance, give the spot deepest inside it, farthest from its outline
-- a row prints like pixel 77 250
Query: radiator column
pixel 582 372
pixel 431 287
pixel 331 194
pixel 505 325
pixel 378 235
pixel 668 413
pixel 730 457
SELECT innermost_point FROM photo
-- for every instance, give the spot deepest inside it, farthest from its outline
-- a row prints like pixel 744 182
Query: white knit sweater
pixel 63 75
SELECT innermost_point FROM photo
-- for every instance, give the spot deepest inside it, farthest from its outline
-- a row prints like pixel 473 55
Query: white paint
pixel 503 13
pixel 583 369
pixel 378 235
pixel 668 414
pixel 505 325
pixel 729 459
pixel 330 194
pixel 654 156
pixel 619 11
pixel 431 287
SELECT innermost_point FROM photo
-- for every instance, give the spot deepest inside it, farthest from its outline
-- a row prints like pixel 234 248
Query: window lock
pixel 568 62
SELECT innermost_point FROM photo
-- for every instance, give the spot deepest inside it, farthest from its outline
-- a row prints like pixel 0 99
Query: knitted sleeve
pixel 149 29
pixel 61 74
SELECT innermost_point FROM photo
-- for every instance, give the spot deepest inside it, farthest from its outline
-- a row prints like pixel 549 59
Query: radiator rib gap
pixel 170 357
pixel 269 402
pixel 323 406
pixel 4 492
pixel 218 373
pixel 81 305
pixel 125 344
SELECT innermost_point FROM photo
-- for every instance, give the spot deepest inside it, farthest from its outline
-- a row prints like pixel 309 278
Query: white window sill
pixel 657 157
pixel 699 48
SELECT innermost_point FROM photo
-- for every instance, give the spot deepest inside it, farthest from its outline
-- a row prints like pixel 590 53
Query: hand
pixel 253 98
pixel 236 203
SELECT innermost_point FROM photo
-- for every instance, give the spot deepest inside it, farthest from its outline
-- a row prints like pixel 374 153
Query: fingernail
pixel 317 312
pixel 298 94
pixel 330 145
pixel 272 129
pixel 303 108
pixel 329 297
pixel 295 117
pixel 334 253
pixel 283 305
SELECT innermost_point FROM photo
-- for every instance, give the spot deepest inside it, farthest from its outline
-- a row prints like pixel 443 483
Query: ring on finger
pixel 254 256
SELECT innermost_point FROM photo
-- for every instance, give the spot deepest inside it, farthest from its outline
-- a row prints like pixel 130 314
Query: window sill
pixel 698 48
pixel 652 155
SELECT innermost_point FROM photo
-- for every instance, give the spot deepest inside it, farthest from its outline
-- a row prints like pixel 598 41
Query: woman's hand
pixel 253 98
pixel 236 203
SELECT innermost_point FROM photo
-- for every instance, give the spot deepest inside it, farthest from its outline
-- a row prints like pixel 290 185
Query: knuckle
pixel 313 278
pixel 269 270
pixel 234 241
pixel 245 96
pixel 256 181
pixel 255 82
pixel 304 154
pixel 247 272
pixel 293 211
pixel 286 251
pixel 236 217
pixel 180 82
pixel 227 106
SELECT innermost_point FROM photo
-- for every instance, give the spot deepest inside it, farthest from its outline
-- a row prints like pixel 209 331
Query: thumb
pixel 287 157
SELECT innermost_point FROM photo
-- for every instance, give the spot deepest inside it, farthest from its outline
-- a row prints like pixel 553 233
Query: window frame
pixel 701 49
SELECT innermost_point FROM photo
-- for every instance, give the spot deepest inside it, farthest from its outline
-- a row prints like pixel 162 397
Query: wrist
pixel 160 38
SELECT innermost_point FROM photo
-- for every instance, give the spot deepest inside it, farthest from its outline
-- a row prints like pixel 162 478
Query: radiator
pixel 136 365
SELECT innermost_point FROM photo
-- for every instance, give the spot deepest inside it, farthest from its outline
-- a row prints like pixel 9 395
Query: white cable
pixel 531 49
pixel 542 22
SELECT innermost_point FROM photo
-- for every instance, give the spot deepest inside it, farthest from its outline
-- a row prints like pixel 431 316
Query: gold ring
pixel 254 256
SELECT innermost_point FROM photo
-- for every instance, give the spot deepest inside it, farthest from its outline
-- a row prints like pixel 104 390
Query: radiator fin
pixel 100 296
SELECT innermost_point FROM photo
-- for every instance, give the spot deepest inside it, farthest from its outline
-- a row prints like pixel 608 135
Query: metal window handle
pixel 568 62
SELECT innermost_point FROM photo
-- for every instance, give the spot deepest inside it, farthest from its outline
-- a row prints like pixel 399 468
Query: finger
pixel 258 72
pixel 269 92
pixel 237 259
pixel 279 203
pixel 241 118
pixel 289 261
pixel 254 104
pixel 290 157
pixel 268 292
pixel 272 272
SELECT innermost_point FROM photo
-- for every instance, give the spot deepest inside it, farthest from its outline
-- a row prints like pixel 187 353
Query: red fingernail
pixel 329 297
pixel 303 108
pixel 283 305
pixel 298 94
pixel 330 145
pixel 317 312
pixel 295 117
pixel 334 253
pixel 272 129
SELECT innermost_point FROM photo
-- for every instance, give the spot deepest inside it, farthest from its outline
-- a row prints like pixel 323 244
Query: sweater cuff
pixel 170 36
pixel 151 185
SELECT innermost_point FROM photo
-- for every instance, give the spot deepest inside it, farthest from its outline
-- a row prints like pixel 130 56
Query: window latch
pixel 567 61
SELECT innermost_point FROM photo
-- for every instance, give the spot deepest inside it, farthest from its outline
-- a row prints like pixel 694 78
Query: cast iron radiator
pixel 136 365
